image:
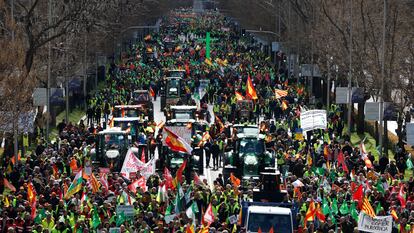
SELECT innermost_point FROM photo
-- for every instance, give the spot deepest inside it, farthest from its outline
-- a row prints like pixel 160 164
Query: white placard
pixel 39 97
pixel 372 111
pixel 379 224
pixel 342 95
pixel 313 119
pixel 410 133
pixel 133 164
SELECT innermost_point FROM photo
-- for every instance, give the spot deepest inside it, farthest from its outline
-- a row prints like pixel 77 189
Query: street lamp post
pixel 49 64
pixel 381 107
pixel 350 73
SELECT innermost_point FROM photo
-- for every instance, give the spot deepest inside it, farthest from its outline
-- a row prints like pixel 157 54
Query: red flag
pixel 341 161
pixel 104 181
pixel 34 210
pixel 260 230
pixel 311 212
pixel 358 195
pixel 197 179
pixel 238 95
pixel 401 196
pixel 179 174
pixel 168 179
pixel 319 214
pixel 176 143
pixel 143 156
pixel 209 215
pixel 8 185
pixel 250 92
pixel 271 230
pixel 152 92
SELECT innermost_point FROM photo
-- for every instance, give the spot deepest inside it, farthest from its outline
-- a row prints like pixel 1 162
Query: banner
pixel 313 119
pixel 379 224
pixel 133 164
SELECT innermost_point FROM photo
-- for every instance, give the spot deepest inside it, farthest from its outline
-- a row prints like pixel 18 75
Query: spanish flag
pixel 250 92
pixel 284 105
pixel 310 213
pixel 176 143
pixel 152 92
pixel 239 96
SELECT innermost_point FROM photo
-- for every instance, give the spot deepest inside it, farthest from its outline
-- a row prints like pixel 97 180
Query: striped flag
pixel 31 193
pixel 367 208
pixel 280 93
pixel 238 95
pixel 176 143
pixel 76 185
pixel 311 212
pixel 8 185
pixel 104 181
pixel 94 184
pixel 251 92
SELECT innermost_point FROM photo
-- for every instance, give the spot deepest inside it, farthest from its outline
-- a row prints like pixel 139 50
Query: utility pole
pixel 85 79
pixel 350 73
pixel 49 64
pixel 67 87
pixel 328 84
pixel 381 107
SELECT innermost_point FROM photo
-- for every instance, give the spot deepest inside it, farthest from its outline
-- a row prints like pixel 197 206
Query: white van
pixel 266 217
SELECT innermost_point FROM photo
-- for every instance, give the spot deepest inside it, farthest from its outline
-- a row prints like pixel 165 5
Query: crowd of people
pixel 43 192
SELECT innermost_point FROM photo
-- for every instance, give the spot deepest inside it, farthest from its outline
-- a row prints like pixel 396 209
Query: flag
pixel 220 123
pixel 325 207
pixel 179 197
pixel 208 48
pixel 367 208
pixel 176 143
pixel 357 196
pixel 141 183
pixel 73 165
pixel 8 185
pixel 344 208
pixel 260 230
pixel 6 201
pixel 75 186
pixel 143 156
pixel 151 92
pixel 309 160
pixel 354 212
pixel 96 220
pixel 284 105
pixel 319 214
pixel 250 92
pixel 13 158
pixel 401 197
pixel 394 215
pixel 179 175
pixel 168 179
pixel 197 180
pixel 104 181
pixel 31 193
pixel 409 163
pixel 94 184
pixel 205 138
pixel 190 228
pixel 120 219
pixel 239 96
pixel 341 162
pixel 111 122
pixel 55 171
pixel 209 215
pixel 162 195
pixel 378 208
pixel 326 151
pixel 234 180
pixel 310 213
pixel 280 93
pixel 208 62
pixel 192 210
pixel 380 187
pixel 334 206
pixel 205 229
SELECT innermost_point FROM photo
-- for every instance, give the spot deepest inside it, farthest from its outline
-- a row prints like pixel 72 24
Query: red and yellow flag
pixel 280 93
pixel 234 180
pixel 367 208
pixel 250 92
pixel 179 175
pixel 284 105
pixel 239 96
pixel 31 193
pixel 176 143
pixel 94 184
pixel 311 212
pixel 151 92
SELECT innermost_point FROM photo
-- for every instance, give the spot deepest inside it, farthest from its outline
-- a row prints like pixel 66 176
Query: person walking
pixel 215 151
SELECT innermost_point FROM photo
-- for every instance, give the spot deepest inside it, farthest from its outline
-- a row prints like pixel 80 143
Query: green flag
pixel 168 210
pixel 378 209
pixel 96 220
pixel 409 163
pixel 354 212
pixel 344 208
pixel 120 219
pixel 40 216
pixel 332 218
pixel 334 206
pixel 208 41
pixel 380 187
pixel 325 207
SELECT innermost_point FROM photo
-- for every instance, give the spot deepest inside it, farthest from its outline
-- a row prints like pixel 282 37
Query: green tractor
pixel 247 157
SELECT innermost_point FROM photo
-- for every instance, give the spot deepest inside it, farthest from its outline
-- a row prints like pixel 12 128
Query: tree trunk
pixel 385 138
pixel 360 118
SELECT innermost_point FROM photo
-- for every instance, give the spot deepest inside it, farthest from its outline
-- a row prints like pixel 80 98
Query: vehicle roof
pixel 141 91
pixel 126 119
pixel 129 106
pixel 173 77
pixel 245 126
pixel 113 130
pixel 269 210
pixel 183 107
